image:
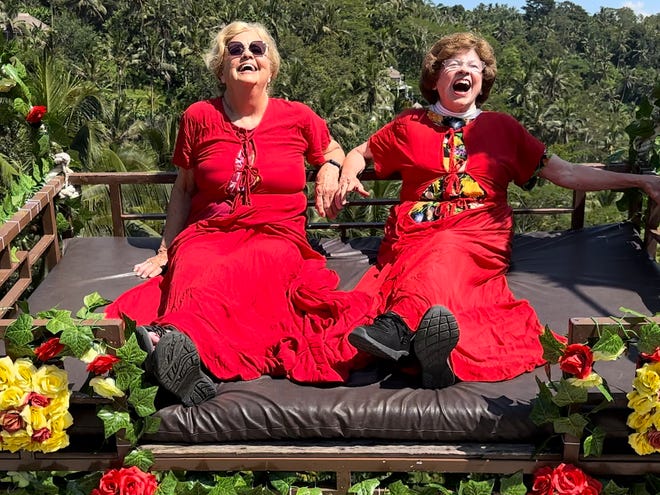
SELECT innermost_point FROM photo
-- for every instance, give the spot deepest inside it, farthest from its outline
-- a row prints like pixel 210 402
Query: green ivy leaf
pixel 553 349
pixel 366 487
pixel 19 333
pixel 399 488
pixel 151 424
pixel 58 320
pixel 513 485
pixel 609 347
pixel 649 338
pixel 226 485
pixel 167 485
pixel 544 410
pixel 569 394
pixel 143 459
pixel 472 487
pixel 131 353
pixel 142 399
pixel 77 339
pixel 573 425
pixel 127 375
pixel 113 421
pixel 309 491
pixel 593 444
pixel 283 482
pixel 611 488
pixel 94 301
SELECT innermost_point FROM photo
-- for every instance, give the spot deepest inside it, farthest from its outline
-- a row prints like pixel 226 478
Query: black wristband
pixel 334 162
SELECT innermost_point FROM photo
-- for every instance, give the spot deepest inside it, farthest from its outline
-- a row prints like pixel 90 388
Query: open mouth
pixel 247 67
pixel 462 86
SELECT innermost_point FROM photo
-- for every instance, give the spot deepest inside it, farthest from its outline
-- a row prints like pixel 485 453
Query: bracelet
pixel 334 162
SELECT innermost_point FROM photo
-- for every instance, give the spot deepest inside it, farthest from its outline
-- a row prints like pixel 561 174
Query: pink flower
pixel 35 399
pixel 11 421
pixel 41 435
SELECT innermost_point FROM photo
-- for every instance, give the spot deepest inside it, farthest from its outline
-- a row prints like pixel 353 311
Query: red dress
pixel 449 240
pixel 243 282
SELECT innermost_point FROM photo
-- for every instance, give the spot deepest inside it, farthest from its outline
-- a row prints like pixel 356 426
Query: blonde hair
pixel 445 48
pixel 215 57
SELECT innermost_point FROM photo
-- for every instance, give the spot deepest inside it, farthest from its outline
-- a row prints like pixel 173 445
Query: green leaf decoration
pixel 649 338
pixel 573 425
pixel 399 488
pixel 544 410
pixel 513 485
pixel 58 320
pixel 283 482
pixel 77 339
pixel 6 85
pixel 19 333
pixel 366 487
pixel 609 347
pixel 127 375
pixel 113 421
pixel 131 352
pixel 168 484
pixel 94 301
pixel 593 444
pixel 151 424
pixel 569 394
pixel 472 487
pixel 142 399
pixel 553 349
pixel 143 459
pixel 611 488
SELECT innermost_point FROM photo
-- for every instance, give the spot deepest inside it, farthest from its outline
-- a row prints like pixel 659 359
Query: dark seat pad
pixel 590 272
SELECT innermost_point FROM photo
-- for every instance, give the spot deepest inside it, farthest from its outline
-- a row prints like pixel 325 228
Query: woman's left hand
pixel 327 184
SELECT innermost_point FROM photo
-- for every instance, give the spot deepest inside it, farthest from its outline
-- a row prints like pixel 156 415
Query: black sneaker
pixel 387 337
pixel 435 338
pixel 177 367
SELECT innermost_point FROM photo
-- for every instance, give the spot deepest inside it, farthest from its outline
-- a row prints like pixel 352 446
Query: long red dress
pixel 449 240
pixel 243 282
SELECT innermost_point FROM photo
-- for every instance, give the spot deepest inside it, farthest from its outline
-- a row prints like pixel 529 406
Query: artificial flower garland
pixel 644 400
pixel 34 406
pixel 564 479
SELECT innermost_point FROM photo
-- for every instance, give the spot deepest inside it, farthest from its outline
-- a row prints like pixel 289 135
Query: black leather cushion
pixel 590 272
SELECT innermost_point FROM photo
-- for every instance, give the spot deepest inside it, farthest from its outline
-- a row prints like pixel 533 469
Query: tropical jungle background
pixel 115 75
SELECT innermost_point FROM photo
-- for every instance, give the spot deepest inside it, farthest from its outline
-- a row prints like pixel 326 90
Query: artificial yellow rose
pixel 640 422
pixel 12 397
pixel 38 418
pixel 640 403
pixel 647 381
pixel 640 443
pixel 25 370
pixel 61 420
pixel 58 440
pixel 105 387
pixel 593 380
pixel 7 372
pixel 13 442
pixel 50 380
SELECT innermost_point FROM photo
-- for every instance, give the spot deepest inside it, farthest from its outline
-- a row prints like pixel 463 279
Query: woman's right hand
pixel 151 267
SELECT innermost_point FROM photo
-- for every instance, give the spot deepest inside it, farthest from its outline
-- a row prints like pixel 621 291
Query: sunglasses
pixel 257 48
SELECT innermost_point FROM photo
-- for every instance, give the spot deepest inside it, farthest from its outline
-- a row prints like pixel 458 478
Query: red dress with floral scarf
pixel 242 280
pixel 449 240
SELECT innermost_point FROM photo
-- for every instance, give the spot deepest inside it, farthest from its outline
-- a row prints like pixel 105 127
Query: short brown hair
pixel 445 48
pixel 215 58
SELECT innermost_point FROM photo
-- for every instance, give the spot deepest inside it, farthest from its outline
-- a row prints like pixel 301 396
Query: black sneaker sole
pixel 176 366
pixel 360 339
pixel 436 337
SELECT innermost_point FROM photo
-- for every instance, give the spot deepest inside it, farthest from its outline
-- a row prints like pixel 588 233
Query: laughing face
pixel 247 67
pixel 459 81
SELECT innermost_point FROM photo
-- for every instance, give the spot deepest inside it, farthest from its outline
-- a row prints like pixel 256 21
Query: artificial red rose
pixel 41 435
pixel 594 487
pixel 126 481
pixel 109 483
pixel 569 480
pixel 36 114
pixel 651 357
pixel 102 364
pixel 37 400
pixel 577 360
pixel 543 481
pixel 49 349
pixel 12 421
